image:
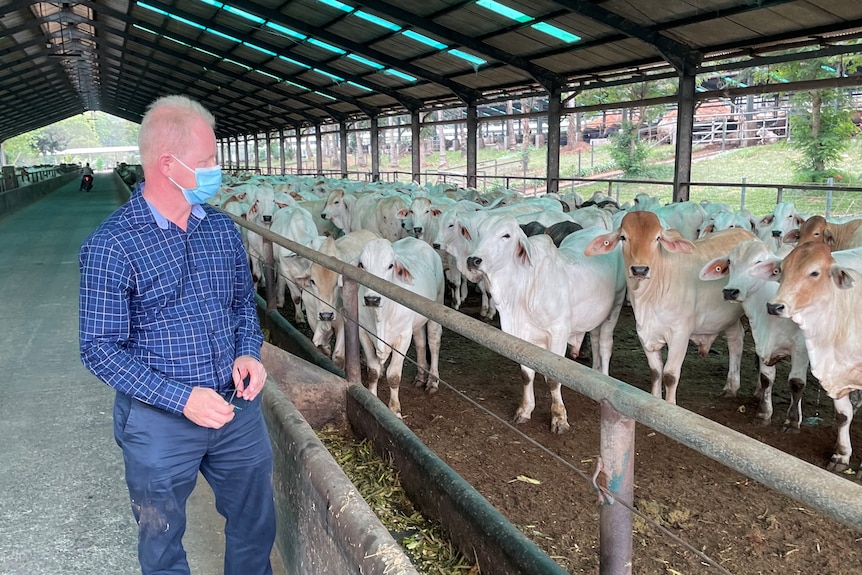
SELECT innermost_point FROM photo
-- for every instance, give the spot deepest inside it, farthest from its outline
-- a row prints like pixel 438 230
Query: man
pixel 87 177
pixel 168 319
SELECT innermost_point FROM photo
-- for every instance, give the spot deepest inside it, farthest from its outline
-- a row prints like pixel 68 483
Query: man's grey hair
pixel 167 124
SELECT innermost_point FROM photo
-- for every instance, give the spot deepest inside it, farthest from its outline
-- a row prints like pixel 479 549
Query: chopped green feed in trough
pixel 424 542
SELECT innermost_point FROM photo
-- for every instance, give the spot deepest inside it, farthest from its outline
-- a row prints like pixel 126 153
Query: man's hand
pixel 207 408
pixel 246 366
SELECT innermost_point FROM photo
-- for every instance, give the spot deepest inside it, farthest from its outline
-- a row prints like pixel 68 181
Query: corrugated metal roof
pixel 269 64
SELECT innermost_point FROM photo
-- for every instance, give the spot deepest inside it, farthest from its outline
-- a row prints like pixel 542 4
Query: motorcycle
pixel 87 183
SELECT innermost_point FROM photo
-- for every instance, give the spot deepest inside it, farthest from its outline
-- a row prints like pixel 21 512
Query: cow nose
pixel 776 233
pixel 372 300
pixel 774 308
pixel 326 316
pixel 435 246
pixel 417 231
pixel 473 263
pixel 322 216
pixel 730 294
pixel 640 271
pixel 267 219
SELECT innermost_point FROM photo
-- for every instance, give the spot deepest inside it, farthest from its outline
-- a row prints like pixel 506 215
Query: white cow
pixel 772 228
pixel 672 305
pixel 260 212
pixel 388 327
pixel 551 297
pixel 368 211
pixel 774 337
pixel 321 291
pixel 294 223
pixel 820 291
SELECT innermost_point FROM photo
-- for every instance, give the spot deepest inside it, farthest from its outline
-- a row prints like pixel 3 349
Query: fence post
pixel 350 314
pixel 269 273
pixel 742 195
pixel 618 192
pixel 780 194
pixel 616 473
pixel 829 183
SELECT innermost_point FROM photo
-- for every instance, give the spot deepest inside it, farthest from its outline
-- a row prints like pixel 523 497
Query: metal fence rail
pixel 813 486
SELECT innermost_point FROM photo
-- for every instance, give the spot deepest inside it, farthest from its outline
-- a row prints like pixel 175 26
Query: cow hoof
pixel 837 467
pixel 729 394
pixel 559 427
pixel 432 389
pixel 519 419
pixel 791 429
pixel 761 420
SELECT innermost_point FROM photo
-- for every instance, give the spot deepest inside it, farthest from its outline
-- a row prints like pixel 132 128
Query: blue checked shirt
pixel 163 310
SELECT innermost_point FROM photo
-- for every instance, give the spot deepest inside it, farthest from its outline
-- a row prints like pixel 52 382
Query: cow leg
pixel 421 344
pixel 840 459
pixel 338 350
pixel 656 369
pixel 764 406
pixel 676 349
pixel 796 380
pixel 559 417
pixel 435 336
pixel 528 399
pixel 606 337
pixel 280 286
pixel 393 372
pixel 463 288
pixel 735 335
pixel 372 362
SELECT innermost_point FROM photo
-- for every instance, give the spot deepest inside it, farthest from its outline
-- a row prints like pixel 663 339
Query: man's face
pixel 199 152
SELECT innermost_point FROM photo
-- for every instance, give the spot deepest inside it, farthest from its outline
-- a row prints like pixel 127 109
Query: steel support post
pixel 248 164
pixel 281 149
pixel 472 147
pixel 375 149
pixel 415 156
pixel 298 150
pixel 350 313
pixel 342 148
pixel 616 473
pixel 684 134
pixel 318 132
pixel 236 148
pixel 555 114
pixel 268 140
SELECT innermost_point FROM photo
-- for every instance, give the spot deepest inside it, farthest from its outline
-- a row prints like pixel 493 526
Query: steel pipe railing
pixel 813 486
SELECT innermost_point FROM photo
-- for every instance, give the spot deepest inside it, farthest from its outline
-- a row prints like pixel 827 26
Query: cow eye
pixel 312 282
pixel 507 236
pixel 360 266
pixel 815 274
pixel 391 266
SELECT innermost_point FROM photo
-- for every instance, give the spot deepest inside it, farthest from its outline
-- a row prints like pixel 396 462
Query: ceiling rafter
pixel 542 75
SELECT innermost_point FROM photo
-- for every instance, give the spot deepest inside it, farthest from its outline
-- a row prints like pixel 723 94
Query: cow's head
pixel 643 239
pixel 808 275
pixel 502 243
pixel 378 258
pixel 741 269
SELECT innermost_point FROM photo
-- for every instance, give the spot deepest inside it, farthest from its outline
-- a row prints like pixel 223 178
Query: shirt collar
pixel 162 221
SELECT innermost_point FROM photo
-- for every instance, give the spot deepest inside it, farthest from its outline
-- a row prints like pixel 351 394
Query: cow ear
pixel 464 232
pixel 673 241
pixel 523 252
pixel 402 273
pixel 436 211
pixel 716 269
pixel 707 230
pixel 602 244
pixel 840 277
pixel 402 213
pixel 769 270
pixel 767 219
pixel 829 238
pixel 791 237
pixel 303 281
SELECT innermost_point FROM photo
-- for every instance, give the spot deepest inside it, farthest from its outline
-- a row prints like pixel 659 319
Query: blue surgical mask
pixel 208 181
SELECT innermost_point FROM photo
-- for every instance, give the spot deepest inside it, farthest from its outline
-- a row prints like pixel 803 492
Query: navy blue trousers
pixel 163 453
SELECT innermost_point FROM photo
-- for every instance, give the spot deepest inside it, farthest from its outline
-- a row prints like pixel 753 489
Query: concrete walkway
pixel 64 507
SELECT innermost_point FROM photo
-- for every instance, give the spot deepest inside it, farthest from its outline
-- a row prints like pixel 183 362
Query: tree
pixel 820 123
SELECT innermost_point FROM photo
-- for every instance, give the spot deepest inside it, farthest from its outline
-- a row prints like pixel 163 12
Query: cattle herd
pixel 556 268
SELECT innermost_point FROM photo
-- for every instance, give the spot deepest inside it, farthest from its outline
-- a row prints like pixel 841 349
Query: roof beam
pixel 402 99
pixel 542 75
pixel 678 55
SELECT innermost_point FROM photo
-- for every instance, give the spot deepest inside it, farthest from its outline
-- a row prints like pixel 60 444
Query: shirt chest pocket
pixel 219 275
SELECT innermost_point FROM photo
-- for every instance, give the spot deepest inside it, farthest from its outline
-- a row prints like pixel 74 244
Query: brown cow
pixel 672 305
pixel 838 236
pixel 821 291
